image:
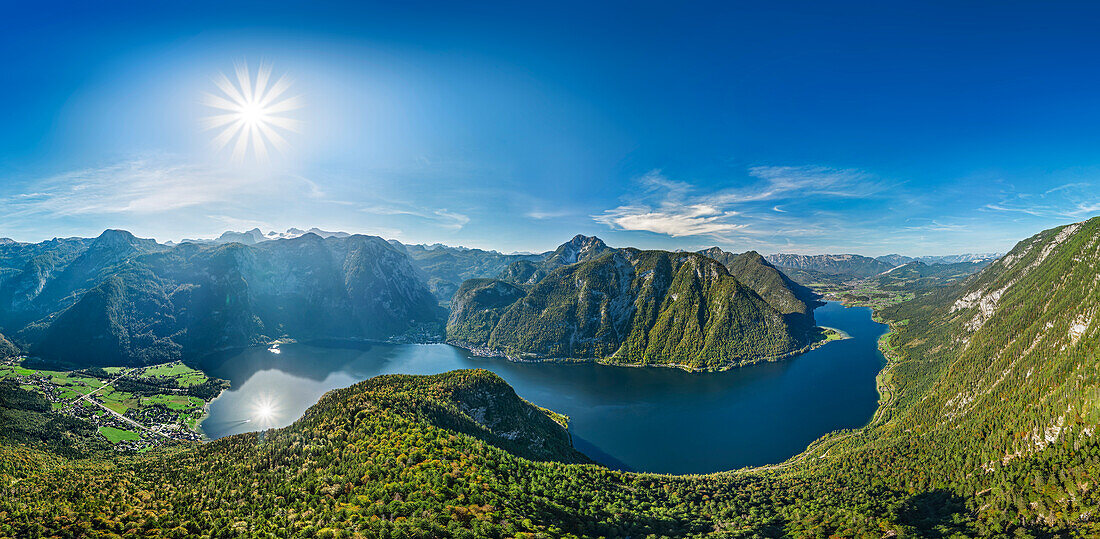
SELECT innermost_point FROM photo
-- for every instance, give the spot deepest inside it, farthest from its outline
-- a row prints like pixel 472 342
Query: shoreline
pixel 482 351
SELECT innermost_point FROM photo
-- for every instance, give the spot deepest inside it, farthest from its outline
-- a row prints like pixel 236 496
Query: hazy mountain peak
pixel 116 240
pixel 578 249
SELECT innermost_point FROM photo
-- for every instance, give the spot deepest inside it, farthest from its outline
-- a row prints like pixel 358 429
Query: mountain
pixel 847 265
pixel 895 259
pixel 532 270
pixel 633 307
pixel 899 260
pixel 125 300
pixel 955 259
pixel 447 267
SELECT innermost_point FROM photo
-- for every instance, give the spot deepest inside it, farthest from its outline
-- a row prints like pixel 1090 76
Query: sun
pixel 252 113
pixel 265 411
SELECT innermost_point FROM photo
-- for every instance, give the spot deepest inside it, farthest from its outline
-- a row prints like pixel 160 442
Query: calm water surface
pixel 651 419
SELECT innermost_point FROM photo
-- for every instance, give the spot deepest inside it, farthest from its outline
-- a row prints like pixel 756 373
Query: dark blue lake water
pixel 643 419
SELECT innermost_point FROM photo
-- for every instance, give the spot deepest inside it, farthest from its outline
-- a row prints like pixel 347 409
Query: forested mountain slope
pixel 792 299
pixel 123 300
pixel 635 307
pixel 7 349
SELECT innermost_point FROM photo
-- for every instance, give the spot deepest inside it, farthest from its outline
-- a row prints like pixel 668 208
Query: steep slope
pixel 7 349
pixel 637 307
pixel 847 265
pixel 129 301
pixel 993 391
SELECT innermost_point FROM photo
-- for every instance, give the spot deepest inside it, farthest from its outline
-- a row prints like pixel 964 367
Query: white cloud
pixel 676 221
pixel 442 217
pixel 674 208
pixel 148 186
pixel 541 214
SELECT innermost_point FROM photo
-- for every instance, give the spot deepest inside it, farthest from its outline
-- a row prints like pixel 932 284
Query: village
pixel 133 408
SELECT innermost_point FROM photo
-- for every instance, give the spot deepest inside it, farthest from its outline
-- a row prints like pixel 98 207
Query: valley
pixel 919 456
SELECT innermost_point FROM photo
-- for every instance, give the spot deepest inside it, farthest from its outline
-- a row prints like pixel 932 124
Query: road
pixel 88 398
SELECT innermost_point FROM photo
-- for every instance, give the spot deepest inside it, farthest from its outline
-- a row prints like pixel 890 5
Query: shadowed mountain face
pixel 447 267
pixel 124 300
pixel 637 307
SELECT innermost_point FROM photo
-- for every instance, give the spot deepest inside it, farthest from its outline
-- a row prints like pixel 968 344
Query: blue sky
pixel 782 127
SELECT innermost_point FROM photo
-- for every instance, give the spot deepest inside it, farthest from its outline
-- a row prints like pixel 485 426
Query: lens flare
pixel 265 411
pixel 252 113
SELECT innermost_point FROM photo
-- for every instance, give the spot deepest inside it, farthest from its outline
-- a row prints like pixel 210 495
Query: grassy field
pixel 183 375
pixel 174 402
pixel 118 435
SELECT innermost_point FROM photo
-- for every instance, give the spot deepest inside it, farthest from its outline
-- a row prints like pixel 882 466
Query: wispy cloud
pixel 678 209
pixel 442 217
pixel 545 214
pixel 1074 200
pixel 147 186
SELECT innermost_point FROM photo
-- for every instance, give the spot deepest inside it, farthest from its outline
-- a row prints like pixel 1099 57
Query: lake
pixel 642 419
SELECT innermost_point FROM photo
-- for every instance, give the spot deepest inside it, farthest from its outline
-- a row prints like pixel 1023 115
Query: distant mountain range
pixel 850 265
pixel 898 260
pixel 254 236
pixel 807 269
pixel 121 300
pixel 447 267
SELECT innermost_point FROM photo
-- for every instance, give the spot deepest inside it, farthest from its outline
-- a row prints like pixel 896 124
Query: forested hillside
pixel 638 307
pixel 795 301
pixel 120 300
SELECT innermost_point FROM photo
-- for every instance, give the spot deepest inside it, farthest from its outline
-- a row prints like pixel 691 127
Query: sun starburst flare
pixel 253 113
pixel 265 411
